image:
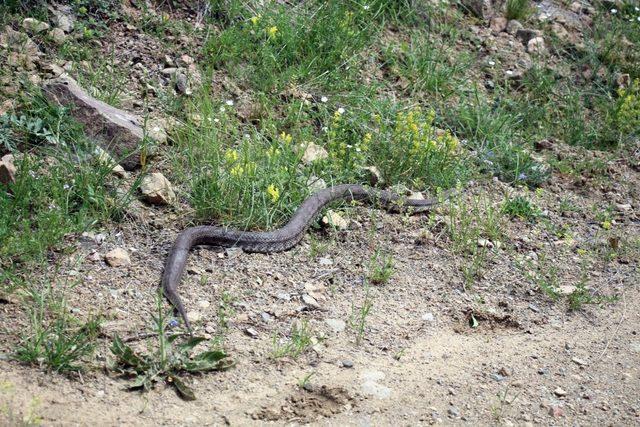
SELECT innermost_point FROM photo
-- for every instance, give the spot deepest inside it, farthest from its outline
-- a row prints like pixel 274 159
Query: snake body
pixel 278 240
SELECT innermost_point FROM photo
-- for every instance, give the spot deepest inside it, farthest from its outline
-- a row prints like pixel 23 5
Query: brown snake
pixel 278 240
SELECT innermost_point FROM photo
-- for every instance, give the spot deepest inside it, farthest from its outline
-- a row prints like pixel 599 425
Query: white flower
pixel 365 7
pixel 638 18
pixel 246 136
pixel 509 72
pixel 324 99
pixel 66 187
pixel 492 63
pixel 229 102
pixel 222 109
pixel 614 11
pixel 341 110
pixel 216 120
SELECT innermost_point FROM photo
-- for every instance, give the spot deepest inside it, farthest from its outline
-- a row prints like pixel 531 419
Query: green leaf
pixel 190 344
pixel 126 356
pixel 141 381
pixel 473 322
pixel 209 361
pixel 184 391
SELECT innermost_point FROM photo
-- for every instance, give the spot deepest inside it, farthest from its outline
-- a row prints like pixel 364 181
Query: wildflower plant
pixel 628 109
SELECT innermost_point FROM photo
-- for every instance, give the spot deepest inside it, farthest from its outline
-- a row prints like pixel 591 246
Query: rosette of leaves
pixel 167 363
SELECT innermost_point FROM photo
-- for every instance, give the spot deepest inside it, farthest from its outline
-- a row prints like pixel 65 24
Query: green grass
pixel 54 339
pixel 299 341
pixel 380 268
pixel 60 187
pixel 518 9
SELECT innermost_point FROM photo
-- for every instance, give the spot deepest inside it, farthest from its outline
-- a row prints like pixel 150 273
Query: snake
pixel 278 240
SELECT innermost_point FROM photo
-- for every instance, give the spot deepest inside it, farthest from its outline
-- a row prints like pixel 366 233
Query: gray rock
pixel 483 9
pixel 536 45
pixel 526 34
pixel 336 325
pixel 453 412
pixel 347 363
pixel 120 133
pixel 18 42
pixel 182 84
pixel 498 24
pixel 58 36
pixel 34 26
pixel 251 332
pixel 513 26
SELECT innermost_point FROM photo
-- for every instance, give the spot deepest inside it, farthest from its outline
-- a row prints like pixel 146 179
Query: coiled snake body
pixel 272 241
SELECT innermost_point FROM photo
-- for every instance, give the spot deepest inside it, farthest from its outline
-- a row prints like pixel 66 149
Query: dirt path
pixel 575 370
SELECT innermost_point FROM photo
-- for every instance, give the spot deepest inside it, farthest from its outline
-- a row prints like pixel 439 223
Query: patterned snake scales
pixel 278 240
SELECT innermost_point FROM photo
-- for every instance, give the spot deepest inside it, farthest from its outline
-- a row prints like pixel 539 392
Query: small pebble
pixel 347 363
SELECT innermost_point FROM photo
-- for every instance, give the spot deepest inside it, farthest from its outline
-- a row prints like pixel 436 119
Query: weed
pixel 518 9
pixel 520 207
pixel 168 360
pixel 225 311
pixel 305 380
pixel 380 268
pixel 358 318
pixel 300 340
pixel 55 339
pixel 544 275
pixel 504 401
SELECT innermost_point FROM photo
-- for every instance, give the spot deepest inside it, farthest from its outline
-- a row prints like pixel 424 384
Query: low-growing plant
pixel 518 9
pixel 300 340
pixel 54 338
pixel 358 318
pixel 520 207
pixel 544 275
pixel 169 360
pixel 380 268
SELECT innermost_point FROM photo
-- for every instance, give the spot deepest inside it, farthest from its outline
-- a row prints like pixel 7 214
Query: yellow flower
pixel 273 152
pixel 272 31
pixel 286 138
pixel 606 225
pixel 237 170
pixel 273 192
pixel 582 251
pixel 231 156
pixel 255 19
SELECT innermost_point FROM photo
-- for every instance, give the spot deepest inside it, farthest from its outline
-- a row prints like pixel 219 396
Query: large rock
pixel 117 257
pixel 7 170
pixel 157 189
pixel 120 133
